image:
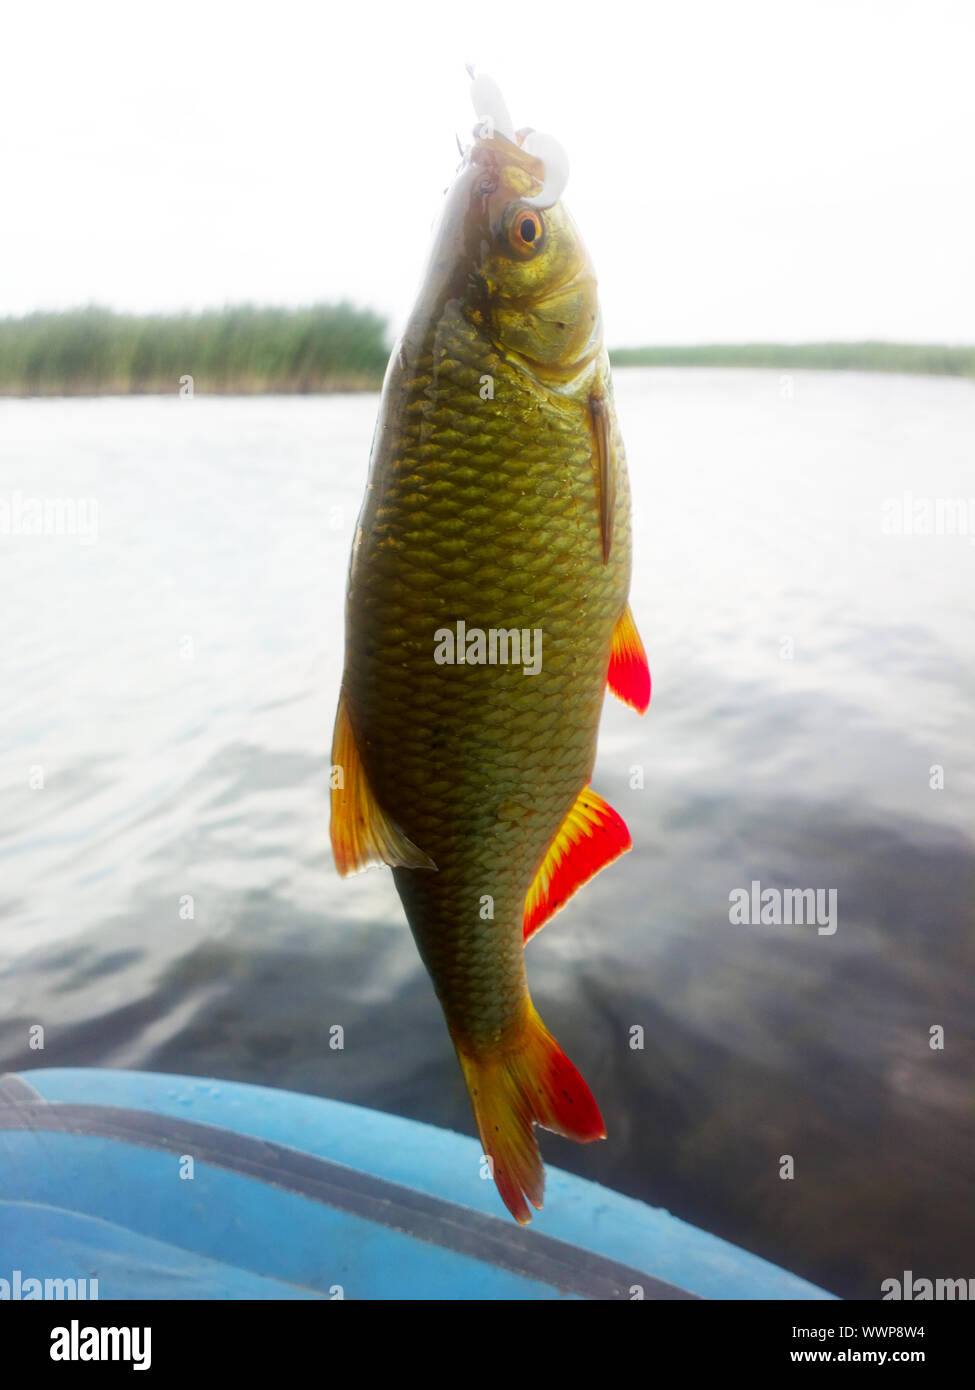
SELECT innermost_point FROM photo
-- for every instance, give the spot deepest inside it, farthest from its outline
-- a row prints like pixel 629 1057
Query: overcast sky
pixel 740 171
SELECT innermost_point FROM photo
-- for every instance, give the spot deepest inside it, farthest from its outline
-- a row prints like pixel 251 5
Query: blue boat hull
pixel 176 1187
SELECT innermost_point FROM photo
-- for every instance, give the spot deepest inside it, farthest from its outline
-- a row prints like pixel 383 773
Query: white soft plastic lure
pixel 491 109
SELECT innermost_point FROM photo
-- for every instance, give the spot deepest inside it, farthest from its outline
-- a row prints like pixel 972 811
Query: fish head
pixel 511 252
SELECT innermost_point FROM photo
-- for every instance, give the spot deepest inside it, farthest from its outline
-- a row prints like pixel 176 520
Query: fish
pixel 487 613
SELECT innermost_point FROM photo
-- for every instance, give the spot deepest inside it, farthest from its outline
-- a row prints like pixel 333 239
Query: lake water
pixel 170 673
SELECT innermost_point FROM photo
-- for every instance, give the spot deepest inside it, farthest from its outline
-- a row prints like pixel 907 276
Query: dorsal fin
pixel 591 836
pixel 362 833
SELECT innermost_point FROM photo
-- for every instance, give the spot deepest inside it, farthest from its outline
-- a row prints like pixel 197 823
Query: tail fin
pixel 512 1091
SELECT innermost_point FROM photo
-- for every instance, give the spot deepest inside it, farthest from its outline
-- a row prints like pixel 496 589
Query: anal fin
pixel 591 836
pixel 629 674
pixel 361 832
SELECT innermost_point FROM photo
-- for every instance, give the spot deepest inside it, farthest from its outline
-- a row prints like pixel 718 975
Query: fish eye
pixel 526 230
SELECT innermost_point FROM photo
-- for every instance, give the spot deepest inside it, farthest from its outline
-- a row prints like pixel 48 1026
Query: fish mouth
pixel 504 171
pixel 494 122
pixel 550 330
pixel 499 175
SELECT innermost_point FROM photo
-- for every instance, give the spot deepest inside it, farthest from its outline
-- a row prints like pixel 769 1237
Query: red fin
pixel 629 674
pixel 362 833
pixel 591 836
pixel 532 1083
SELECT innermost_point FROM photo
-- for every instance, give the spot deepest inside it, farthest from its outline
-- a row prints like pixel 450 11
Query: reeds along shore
pixel 327 347
pixel 330 347
pixel 925 358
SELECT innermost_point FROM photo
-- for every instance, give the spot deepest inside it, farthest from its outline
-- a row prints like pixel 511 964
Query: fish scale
pixel 525 511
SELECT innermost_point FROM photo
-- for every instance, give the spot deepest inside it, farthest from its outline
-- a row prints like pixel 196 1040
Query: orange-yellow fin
pixel 601 428
pixel 514 1089
pixel 591 836
pixel 629 674
pixel 362 833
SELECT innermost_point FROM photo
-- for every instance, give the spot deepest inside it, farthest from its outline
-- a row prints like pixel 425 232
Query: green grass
pixel 329 347
pixel 860 357
pixel 93 351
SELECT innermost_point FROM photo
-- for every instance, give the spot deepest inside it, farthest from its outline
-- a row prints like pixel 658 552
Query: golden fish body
pixel 488 581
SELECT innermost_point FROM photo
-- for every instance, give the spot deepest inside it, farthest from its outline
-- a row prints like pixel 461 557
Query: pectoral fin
pixel 591 836
pixel 362 833
pixel 629 674
pixel 604 458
